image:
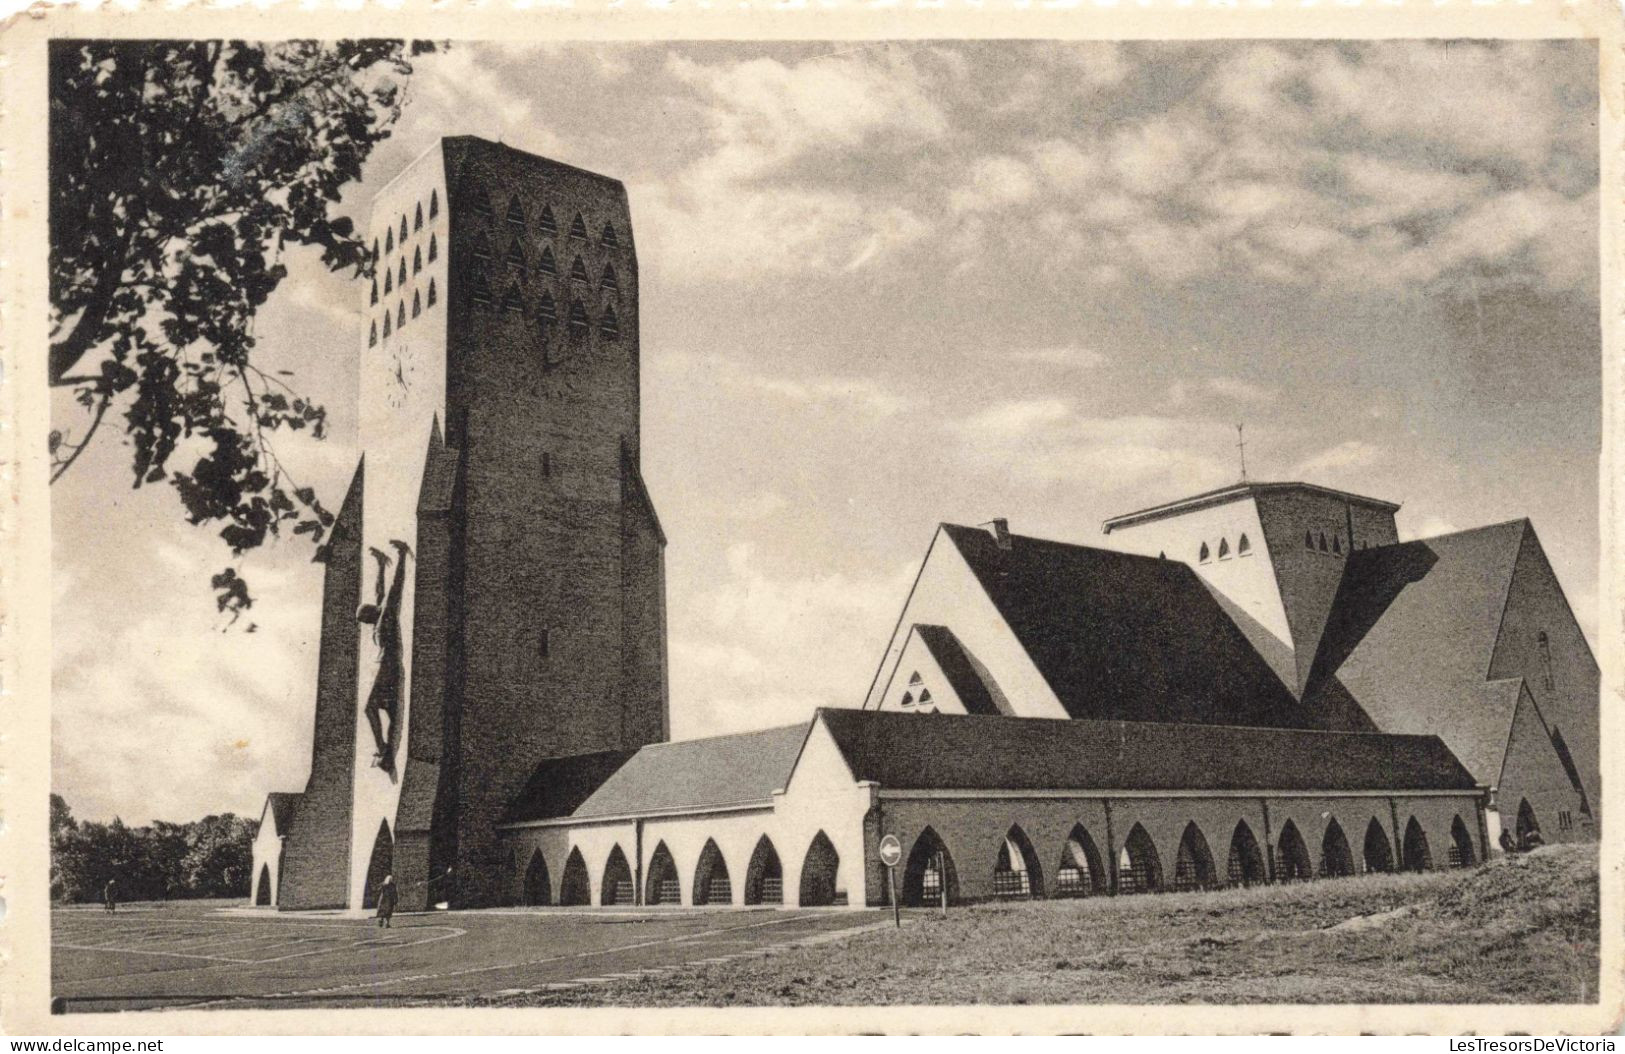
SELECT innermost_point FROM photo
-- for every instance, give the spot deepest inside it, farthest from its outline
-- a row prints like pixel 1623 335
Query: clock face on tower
pixel 400 365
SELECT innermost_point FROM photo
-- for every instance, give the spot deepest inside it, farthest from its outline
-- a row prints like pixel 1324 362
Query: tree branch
pixel 79 448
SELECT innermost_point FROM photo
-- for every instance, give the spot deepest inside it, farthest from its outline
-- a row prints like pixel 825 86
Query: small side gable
pixel 922 686
pixel 948 593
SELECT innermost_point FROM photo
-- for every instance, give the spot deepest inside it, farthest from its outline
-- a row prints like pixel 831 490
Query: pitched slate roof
pixel 957 666
pixel 558 786
pixel 1411 634
pixel 903 751
pixel 1126 637
pixel 692 773
pixel 1236 492
pixel 280 806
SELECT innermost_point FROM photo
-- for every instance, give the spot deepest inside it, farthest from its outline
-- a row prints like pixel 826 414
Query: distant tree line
pixel 211 857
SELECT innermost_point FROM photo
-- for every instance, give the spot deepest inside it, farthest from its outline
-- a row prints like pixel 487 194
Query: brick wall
pixel 317 851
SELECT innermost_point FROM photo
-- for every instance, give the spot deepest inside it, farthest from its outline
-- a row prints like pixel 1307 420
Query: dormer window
pixel 1243 546
pixel 375 251
pixel 1224 548
pixel 400 319
pixel 915 679
pixel 1203 555
pixel 925 696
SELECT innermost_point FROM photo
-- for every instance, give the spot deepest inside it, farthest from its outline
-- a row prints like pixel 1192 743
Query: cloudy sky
pixel 885 285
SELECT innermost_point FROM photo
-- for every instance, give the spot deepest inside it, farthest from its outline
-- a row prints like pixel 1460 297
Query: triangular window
pixel 547 309
pixel 516 214
pixel 375 290
pixel 1224 548
pixel 908 698
pixel 1243 547
pixel 417 260
pixel 401 310
pixel 1308 540
pixel 1337 544
pixel 389 281
pixel 432 297
pixel 417 304
pixel 1323 541
pixel 372 334
pixel 578 319
pixel 417 218
pixel 578 228
pixel 375 250
pixel 516 255
pixel 386 324
pixel 545 263
pixel 608 238
pixel 434 203
pixel 434 248
pixel 482 291
pixel 403 271
pixel 549 225
pixel 403 230
pixel 389 241
pixel 915 679
pixel 578 272
pixel 609 280
pixel 925 696
pixel 1203 555
pixel 609 325
pixel 512 302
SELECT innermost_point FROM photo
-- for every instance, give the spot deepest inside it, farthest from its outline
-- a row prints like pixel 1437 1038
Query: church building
pixel 1260 683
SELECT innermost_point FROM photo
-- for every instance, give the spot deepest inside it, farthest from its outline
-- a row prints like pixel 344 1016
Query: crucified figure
pixel 386 686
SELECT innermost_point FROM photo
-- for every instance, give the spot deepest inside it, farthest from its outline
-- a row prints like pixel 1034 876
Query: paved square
pixel 175 955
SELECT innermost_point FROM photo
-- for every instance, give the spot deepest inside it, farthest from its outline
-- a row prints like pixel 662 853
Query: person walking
pixel 110 896
pixel 386 902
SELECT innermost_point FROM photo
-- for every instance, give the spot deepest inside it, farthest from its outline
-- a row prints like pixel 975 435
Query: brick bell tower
pixel 510 564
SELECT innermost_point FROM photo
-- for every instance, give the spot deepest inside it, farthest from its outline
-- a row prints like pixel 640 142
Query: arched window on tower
pixel 578 319
pixel 578 271
pixel 434 247
pixel 417 218
pixel 1337 544
pixel 1202 554
pixel 516 215
pixel 402 278
pixel 434 203
pixel 547 223
pixel 1308 541
pixel 372 334
pixel 480 247
pixel 404 234
pixel 578 228
pixel 386 324
pixel 389 241
pixel 1543 645
pixel 432 297
pixel 608 238
pixel 417 304
pixel 547 309
pixel 482 202
pixel 417 260
pixel 401 314
pixel 609 280
pixel 609 325
pixel 516 255
pixel 389 281
pixel 1224 548
pixel 375 290
pixel 1323 541
pixel 545 263
pixel 1243 546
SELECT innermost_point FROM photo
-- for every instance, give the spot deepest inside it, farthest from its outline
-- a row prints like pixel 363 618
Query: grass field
pixel 1516 930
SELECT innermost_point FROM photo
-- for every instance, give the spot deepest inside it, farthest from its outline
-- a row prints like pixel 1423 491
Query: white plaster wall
pixel 916 657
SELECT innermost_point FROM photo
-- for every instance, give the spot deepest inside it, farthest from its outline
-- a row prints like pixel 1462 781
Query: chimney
pixel 1000 529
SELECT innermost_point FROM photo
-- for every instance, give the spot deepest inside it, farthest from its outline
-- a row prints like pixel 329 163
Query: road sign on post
pixel 891 851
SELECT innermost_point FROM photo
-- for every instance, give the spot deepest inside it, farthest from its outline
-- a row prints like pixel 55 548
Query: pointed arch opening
pixel 764 877
pixel 1417 856
pixel 380 865
pixel 547 223
pixel 1336 858
pixel 1081 873
pixel 663 886
pixel 417 259
pixel 1139 868
pixel 262 894
pixel 417 218
pixel 1224 548
pixel 434 203
pixel 1193 864
pixel 1528 826
pixel 434 248
pixel 617 887
pixel 818 873
pixel 1243 546
pixel 1292 863
pixel 1461 845
pixel 1203 555
pixel 929 872
pixel 1016 871
pixel 538 889
pixel 1379 853
pixel 711 881
pixel 575 890
pixel 1245 866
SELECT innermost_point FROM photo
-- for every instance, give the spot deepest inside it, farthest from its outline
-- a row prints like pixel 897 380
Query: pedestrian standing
pixel 110 896
pixel 386 902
